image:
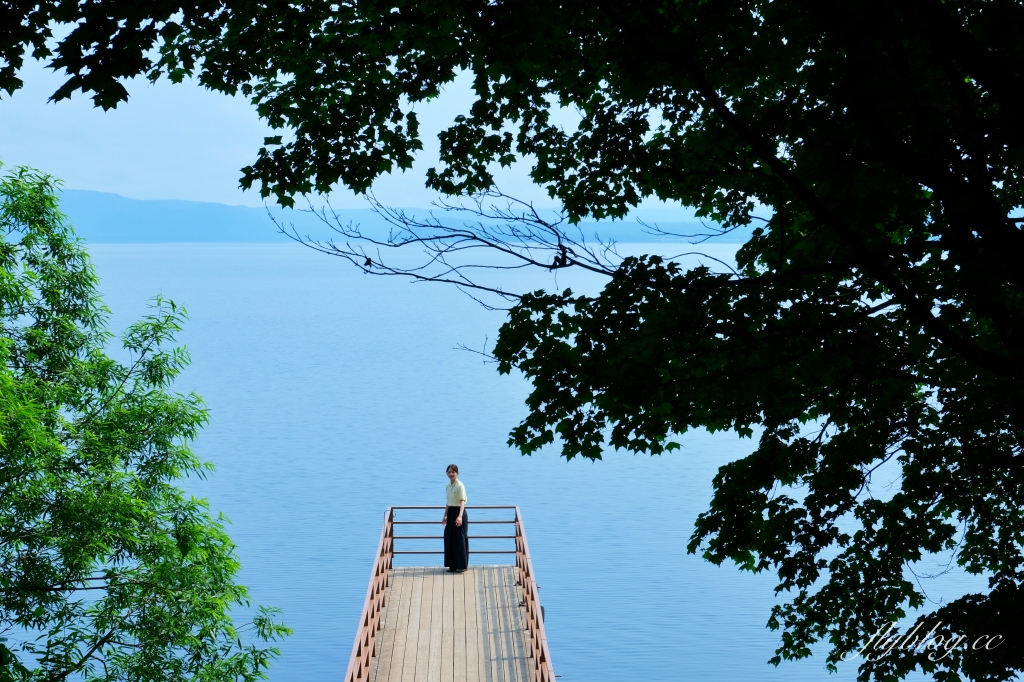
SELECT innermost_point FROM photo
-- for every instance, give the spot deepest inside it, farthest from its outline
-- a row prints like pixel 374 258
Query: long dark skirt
pixel 456 541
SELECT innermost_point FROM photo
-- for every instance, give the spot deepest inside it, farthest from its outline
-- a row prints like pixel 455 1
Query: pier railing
pixel 534 613
pixel 365 645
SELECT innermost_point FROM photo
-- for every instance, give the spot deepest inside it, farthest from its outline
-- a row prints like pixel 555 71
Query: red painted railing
pixel 365 645
pixel 534 613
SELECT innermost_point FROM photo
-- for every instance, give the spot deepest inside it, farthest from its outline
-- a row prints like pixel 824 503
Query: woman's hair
pixel 452 467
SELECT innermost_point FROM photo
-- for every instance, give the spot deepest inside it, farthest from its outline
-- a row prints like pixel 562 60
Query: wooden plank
pixel 515 624
pixel 444 627
pixel 382 661
pixel 423 642
pixel 505 624
pixel 525 641
pixel 459 631
pixel 498 672
pixel 447 629
pixel 436 607
pixel 407 624
pixel 394 668
pixel 473 668
pixel 400 623
pixel 499 625
pixel 484 663
pixel 501 595
pixel 413 631
pixel 514 628
pixel 486 658
pixel 494 629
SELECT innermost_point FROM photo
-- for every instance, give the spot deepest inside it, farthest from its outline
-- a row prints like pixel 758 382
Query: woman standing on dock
pixel 456 534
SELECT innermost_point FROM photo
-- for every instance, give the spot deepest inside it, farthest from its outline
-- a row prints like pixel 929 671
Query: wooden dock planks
pixel 434 655
pixel 453 627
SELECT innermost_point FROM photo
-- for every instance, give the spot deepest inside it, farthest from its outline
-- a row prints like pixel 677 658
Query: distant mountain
pixel 103 218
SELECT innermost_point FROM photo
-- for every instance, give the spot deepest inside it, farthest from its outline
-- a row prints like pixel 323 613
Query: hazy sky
pixel 184 142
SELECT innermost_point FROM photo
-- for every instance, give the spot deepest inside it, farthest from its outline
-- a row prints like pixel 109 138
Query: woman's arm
pixel 462 505
pixel 444 517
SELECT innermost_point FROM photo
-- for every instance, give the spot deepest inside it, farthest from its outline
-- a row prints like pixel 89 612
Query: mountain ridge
pixel 107 218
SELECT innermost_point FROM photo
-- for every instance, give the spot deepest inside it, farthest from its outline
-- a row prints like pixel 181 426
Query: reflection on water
pixel 334 395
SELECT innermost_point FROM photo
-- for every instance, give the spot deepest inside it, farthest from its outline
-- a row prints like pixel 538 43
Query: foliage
pixel 875 317
pixel 108 571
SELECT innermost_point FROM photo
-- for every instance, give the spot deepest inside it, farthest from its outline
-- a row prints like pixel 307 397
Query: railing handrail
pixel 365 645
pixel 398 523
pixel 364 648
pixel 531 600
pixel 468 506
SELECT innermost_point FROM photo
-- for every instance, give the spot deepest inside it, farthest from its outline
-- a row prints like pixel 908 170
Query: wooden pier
pixel 424 624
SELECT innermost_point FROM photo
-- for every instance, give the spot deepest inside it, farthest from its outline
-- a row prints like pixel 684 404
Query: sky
pixel 184 142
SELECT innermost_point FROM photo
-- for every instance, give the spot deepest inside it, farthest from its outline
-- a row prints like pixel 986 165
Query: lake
pixel 334 395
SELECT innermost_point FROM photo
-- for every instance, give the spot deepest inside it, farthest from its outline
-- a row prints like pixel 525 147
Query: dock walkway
pixel 424 624
pixel 453 626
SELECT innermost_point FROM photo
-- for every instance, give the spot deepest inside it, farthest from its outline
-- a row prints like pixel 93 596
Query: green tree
pixel 875 317
pixel 108 571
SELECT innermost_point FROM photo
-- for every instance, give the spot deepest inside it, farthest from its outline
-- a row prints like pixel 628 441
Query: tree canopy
pixel 875 317
pixel 108 570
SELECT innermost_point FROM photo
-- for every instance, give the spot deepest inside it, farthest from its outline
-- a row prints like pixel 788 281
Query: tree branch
pixel 869 261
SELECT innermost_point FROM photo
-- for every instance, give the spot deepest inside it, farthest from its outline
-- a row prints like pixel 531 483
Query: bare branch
pixel 463 239
pixel 488 357
pixel 695 237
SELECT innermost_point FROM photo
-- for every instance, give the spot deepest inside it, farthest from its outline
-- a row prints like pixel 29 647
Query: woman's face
pixel 452 476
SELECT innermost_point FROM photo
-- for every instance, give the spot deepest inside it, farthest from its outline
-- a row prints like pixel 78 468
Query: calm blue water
pixel 334 395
